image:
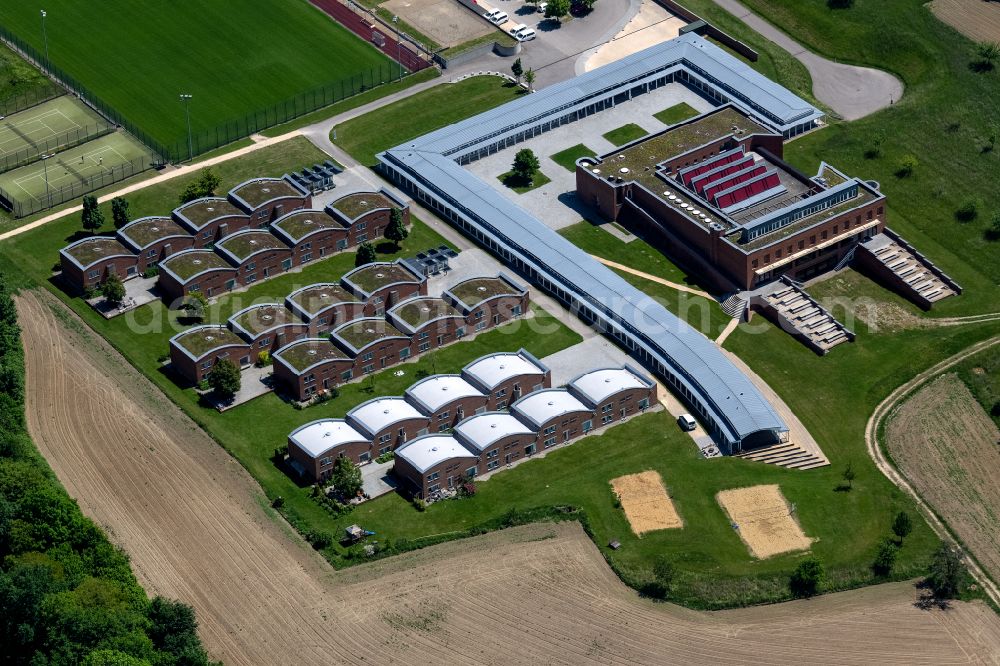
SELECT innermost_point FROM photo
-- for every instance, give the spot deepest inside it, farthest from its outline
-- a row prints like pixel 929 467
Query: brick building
pixel 257 254
pixel 195 270
pixel 306 367
pixel 431 322
pixel 267 327
pixel 194 352
pixel 210 219
pixel 488 301
pixel 267 199
pixel 87 263
pixel 388 422
pixel 315 446
pixel 505 377
pixel 312 234
pixel 555 414
pixel 373 342
pixel 366 214
pixel 325 306
pixel 432 463
pixel 445 400
pixel 614 393
pixel 496 438
pixel 382 285
pixel 153 239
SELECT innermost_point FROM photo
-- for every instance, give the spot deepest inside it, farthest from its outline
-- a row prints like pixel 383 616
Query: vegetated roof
pixel 317 297
pixel 303 354
pixel 259 191
pixel 418 311
pixel 375 415
pixel 147 230
pixel 91 250
pixel 434 392
pixel 372 277
pixel 300 223
pixel 425 452
pixel 360 333
pixel 319 437
pixel 355 205
pixel 493 369
pixel 597 386
pixel 243 244
pixel 257 319
pixel 476 290
pixel 202 211
pixel 188 263
pixel 480 430
pixel 200 340
pixel 545 404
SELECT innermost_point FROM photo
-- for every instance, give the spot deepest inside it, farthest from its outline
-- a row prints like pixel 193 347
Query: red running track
pixel 374 34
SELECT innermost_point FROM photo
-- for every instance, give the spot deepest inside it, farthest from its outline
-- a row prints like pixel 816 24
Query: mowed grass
pixel 676 113
pixel 18 77
pixel 567 158
pixel 622 135
pixel 367 135
pixel 234 57
pixel 519 185
pixel 45 125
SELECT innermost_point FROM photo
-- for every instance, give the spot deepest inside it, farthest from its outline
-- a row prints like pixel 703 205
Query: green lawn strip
pixel 676 113
pixel 419 114
pixel 354 102
pixel 517 184
pixel 19 76
pixel 622 135
pixel 567 158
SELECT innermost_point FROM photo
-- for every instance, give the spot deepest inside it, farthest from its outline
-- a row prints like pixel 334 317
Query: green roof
pixel 245 243
pixel 186 265
pixel 303 222
pixel 258 192
pixel 419 311
pixel 94 249
pixel 375 276
pixel 301 355
pixel 202 211
pixel 314 298
pixel 148 230
pixel 260 318
pixel 361 333
pixel 477 290
pixel 355 205
pixel 203 339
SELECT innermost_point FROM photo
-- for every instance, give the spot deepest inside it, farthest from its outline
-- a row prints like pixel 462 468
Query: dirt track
pixel 192 521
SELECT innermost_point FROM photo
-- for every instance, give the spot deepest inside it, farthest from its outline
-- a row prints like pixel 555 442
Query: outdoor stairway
pixel 735 306
pixel 913 273
pixel 785 454
pixel 808 319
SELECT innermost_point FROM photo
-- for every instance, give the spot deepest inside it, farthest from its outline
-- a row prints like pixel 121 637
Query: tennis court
pixel 40 124
pixel 72 167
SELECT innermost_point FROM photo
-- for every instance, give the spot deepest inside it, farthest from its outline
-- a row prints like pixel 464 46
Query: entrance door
pixel 621 412
pixel 565 435
pixel 506 459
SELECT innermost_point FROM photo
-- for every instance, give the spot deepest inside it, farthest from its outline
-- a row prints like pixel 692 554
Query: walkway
pixel 653 278
pixel 852 92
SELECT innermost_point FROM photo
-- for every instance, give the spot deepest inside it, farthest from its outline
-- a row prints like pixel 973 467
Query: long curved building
pixel 735 412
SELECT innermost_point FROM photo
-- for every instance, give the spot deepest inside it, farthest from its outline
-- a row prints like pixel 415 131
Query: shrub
pixel 151 272
pixel 419 504
pixel 385 457
pixel 907 165
pixel 807 579
pixel 319 539
pixel 885 558
pixel 946 572
pixel 278 502
pixel 264 359
pixel 839 4
pixel 968 211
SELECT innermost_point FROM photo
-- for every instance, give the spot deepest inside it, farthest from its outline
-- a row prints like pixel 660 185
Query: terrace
pixel 301 223
pixel 361 333
pixel 147 230
pixel 373 277
pixel 477 290
pixel 202 211
pixel 418 311
pixel 92 250
pixel 355 205
pixel 258 319
pixel 259 191
pixel 245 244
pixel 200 340
pixel 185 265
pixel 313 299
pixel 304 354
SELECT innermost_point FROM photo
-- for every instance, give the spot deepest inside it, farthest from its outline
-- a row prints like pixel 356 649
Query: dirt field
pixel 946 445
pixel 645 502
pixel 976 19
pixel 764 519
pixel 192 521
pixel 447 22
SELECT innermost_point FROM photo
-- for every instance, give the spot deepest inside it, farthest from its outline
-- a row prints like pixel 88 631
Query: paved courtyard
pixel 556 203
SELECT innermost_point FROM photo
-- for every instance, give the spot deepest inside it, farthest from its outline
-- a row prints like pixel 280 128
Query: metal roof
pixel 479 431
pixel 544 405
pixel 490 370
pixel 597 386
pixel 318 437
pixel 434 392
pixel 426 451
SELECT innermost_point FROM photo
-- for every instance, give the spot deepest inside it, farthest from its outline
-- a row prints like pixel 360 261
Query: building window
pixel 264 342
pixel 384 450
pixel 501 393
pixel 550 430
pixel 423 335
pixel 307 257
pixel 551 441
pixel 404 353
pixel 479 315
pixel 644 403
pixel 434 476
pixel 502 404
pixel 588 425
pixel 252 265
pixel 368 369
pixel 442 427
pixel 362 238
pixel 424 346
pixel 385 438
pixel 459 332
pixel 93 275
pixel 493 464
pixel 368 356
pixel 360 226
pixel 346 375
pixel 309 379
pixel 516 311
pixel 342 244
pixel 325 461
pixel 480 325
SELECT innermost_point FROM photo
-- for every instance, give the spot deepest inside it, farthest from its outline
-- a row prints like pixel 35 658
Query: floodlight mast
pixel 186 99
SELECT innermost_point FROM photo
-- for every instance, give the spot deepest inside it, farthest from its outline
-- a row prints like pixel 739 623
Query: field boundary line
pixel 884 409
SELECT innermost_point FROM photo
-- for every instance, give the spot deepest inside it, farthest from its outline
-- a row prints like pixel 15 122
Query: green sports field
pixel 48 126
pixel 234 57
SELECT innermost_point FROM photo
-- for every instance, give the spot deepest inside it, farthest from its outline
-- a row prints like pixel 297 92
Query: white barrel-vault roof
pixel 479 431
pixel 318 437
pixel 427 451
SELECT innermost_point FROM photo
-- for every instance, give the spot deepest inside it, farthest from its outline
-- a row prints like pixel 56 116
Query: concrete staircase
pixel 810 321
pixel 785 454
pixel 735 306
pixel 917 277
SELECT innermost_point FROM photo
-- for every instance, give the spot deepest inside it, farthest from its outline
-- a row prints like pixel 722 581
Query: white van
pixel 687 422
pixel 499 18
pixel 525 35
pixel 516 28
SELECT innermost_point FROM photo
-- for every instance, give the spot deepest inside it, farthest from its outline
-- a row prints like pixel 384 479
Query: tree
pixel 583 5
pixel 517 70
pixel 346 477
pixel 557 9
pixel 849 475
pixel 875 149
pixel 986 56
pixel 885 557
pixel 194 305
pixel 206 185
pixel 994 230
pixel 396 231
pixel 119 212
pixel 174 630
pixel 968 211
pixel 529 78
pixel 807 578
pixel 224 379
pixel 365 255
pixel 907 166
pixel 525 164
pixel 945 573
pixel 92 217
pixel 664 572
pixel 902 525
pixel 113 289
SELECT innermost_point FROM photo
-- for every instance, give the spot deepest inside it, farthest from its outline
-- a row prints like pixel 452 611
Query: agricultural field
pixel 233 57
pixel 976 20
pixel 946 446
pixel 209 531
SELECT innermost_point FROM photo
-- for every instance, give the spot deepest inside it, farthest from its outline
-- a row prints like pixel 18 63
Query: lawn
pixel 676 113
pixel 518 184
pixel 567 158
pixel 367 135
pixel 18 77
pixel 234 57
pixel 622 135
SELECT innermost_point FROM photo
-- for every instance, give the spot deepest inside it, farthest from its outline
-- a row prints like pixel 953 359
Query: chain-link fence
pixel 33 97
pixel 67 139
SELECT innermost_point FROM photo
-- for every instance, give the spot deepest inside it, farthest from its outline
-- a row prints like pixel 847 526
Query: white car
pixel 541 7
pixel 525 35
pixel 516 28
pixel 687 422
pixel 490 14
pixel 499 17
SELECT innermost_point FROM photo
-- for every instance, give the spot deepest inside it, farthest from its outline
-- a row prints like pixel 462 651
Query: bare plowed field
pixel 976 19
pixel 946 445
pixel 192 521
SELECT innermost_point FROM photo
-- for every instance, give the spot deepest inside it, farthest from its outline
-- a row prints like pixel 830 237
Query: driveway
pixel 851 92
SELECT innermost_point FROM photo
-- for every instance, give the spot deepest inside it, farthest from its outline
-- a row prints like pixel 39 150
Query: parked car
pixel 687 422
pixel 541 7
pixel 499 17
pixel 490 14
pixel 524 35
pixel 516 28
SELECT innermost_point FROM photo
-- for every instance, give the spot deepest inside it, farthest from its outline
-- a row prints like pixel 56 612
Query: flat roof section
pixel 200 340
pixel 313 299
pixel 598 385
pixel 202 211
pixel 147 230
pixel 372 277
pixel 424 453
pixel 355 205
pixel 320 436
pixel 301 355
pixel 361 333
pixel 376 415
pixel 188 263
pixel 434 392
pixel 257 192
pixel 541 406
pixel 494 369
pixel 244 244
pixel 416 312
pixel 299 224
pixel 89 251
pixel 476 290
pixel 481 430
pixel 258 319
